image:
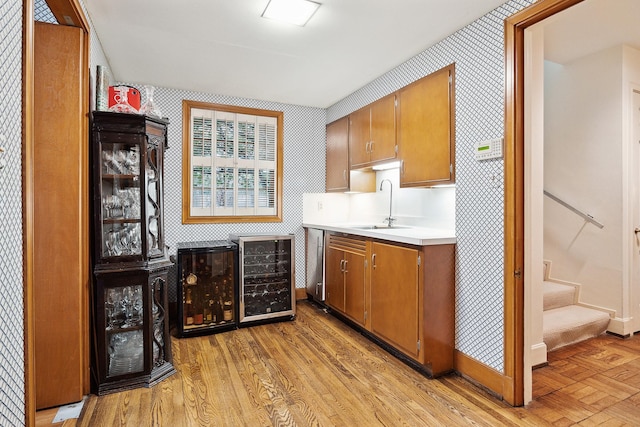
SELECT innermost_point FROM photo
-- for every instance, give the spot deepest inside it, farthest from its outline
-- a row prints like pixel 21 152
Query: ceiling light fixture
pixel 296 12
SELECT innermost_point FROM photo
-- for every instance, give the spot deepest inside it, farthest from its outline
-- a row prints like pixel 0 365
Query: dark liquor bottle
pixel 188 308
pixel 207 312
pixel 198 306
pixel 227 303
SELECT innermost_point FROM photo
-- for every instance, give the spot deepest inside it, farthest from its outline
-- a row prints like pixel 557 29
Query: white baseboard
pixel 622 327
pixel 538 354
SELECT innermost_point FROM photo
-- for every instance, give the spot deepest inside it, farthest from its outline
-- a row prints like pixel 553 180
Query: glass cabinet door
pixel 124 320
pixel 121 203
pixel 207 287
pixel 267 277
pixel 155 239
pixel 159 319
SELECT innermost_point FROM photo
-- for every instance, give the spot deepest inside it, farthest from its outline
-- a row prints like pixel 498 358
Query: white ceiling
pixel 224 46
pixel 591 26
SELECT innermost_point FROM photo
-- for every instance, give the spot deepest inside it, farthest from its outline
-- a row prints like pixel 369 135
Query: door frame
pixel 514 26
pixel 631 139
pixel 67 12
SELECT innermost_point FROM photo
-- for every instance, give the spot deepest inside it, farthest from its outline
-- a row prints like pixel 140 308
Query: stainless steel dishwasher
pixel 315 264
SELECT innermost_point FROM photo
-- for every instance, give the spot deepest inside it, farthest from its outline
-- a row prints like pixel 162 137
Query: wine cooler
pixel 207 287
pixel 267 277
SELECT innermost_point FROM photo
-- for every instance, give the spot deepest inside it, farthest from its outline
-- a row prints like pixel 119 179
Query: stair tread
pixel 557 295
pixel 570 324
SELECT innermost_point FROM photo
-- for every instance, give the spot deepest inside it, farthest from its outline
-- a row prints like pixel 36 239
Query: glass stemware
pixel 150 108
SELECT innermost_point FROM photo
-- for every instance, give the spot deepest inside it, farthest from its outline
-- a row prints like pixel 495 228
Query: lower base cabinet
pixel 396 297
pixel 403 295
pixel 346 261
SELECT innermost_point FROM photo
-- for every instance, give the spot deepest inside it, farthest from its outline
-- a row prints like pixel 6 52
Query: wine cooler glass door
pixel 267 274
pixel 207 285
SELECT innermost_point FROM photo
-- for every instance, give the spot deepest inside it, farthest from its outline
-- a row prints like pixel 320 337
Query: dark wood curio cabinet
pixel 130 320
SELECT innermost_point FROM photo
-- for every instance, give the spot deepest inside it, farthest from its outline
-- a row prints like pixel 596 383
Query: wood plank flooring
pixel 316 371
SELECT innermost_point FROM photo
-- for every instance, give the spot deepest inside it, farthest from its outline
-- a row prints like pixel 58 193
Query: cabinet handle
pixel 342 266
pixel 373 260
pixel 345 266
pixel 371 146
pixel 344 175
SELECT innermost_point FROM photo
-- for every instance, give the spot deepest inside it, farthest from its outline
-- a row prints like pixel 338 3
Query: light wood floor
pixel 316 371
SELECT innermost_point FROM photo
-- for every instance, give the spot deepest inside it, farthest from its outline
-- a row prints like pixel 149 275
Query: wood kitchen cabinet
pixel 396 297
pixel 405 300
pixel 372 133
pixel 426 141
pixel 339 177
pixel 346 276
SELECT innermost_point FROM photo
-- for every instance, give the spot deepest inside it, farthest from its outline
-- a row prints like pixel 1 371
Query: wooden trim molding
pixel 60 8
pixel 301 294
pixel 478 372
pixel 68 12
pixel 514 192
pixel 28 211
pixel 187 217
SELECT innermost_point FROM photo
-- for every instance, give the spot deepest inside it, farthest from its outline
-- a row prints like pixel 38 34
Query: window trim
pixel 187 218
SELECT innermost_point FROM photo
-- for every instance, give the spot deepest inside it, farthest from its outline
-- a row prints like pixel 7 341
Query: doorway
pixel 523 171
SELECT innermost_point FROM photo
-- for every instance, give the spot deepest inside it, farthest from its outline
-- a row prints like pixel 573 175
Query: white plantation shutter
pixel 233 164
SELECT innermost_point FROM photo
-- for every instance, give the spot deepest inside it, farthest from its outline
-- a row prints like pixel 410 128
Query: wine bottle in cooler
pixel 188 308
pixel 206 310
pixel 198 306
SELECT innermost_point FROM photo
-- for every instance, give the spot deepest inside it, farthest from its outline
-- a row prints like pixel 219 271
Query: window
pixel 232 164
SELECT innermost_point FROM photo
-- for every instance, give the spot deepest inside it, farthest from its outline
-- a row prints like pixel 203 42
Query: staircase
pixel 564 320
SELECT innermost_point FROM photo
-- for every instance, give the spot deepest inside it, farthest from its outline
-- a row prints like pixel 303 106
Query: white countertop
pixel 419 236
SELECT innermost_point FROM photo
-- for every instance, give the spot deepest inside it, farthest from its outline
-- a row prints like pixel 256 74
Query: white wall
pixel 583 166
pixel 424 207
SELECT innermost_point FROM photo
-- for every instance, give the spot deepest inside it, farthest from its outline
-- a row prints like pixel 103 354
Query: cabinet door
pixel 337 178
pixel 334 278
pixel 359 137
pixel 425 130
pixel 354 286
pixel 395 297
pixel 383 129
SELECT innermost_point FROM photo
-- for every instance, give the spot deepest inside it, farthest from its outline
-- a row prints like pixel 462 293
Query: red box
pixel 132 96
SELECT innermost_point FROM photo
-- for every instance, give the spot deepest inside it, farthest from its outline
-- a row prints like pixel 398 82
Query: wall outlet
pixel 319 206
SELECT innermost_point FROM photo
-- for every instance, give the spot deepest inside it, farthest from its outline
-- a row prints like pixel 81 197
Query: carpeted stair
pixel 565 322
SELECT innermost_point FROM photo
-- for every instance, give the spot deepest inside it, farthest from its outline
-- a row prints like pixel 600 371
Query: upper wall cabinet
pixel 339 177
pixel 372 133
pixel 426 139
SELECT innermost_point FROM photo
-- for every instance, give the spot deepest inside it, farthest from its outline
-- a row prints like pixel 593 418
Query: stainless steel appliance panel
pixel 315 264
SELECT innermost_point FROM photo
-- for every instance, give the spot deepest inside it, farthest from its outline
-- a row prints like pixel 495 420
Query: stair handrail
pixel 585 216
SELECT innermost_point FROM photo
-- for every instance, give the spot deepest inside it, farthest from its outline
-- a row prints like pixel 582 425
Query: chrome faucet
pixel 389 219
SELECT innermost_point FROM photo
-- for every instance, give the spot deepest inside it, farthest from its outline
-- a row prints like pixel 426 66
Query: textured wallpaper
pixel 304 169
pixel 478 52
pixel 11 308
